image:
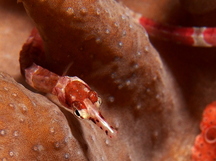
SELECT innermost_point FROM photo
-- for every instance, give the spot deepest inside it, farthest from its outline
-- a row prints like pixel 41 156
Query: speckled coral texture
pixel 154 100
pixel 32 127
pixel 137 90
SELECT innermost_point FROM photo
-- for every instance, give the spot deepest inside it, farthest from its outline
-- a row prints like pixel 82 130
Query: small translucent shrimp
pixel 72 92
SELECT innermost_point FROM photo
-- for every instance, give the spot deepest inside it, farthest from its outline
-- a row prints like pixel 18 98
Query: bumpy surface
pixel 192 68
pixel 33 128
pixel 205 143
pixel 111 52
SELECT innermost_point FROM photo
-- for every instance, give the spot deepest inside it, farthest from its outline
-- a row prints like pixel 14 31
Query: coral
pixel 205 143
pixel 109 50
pixel 32 127
pixel 154 101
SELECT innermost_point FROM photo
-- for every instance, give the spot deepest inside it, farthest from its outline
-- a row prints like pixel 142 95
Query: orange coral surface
pixel 205 143
pixel 154 99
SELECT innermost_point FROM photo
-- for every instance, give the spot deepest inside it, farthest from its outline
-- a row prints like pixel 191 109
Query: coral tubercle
pixel 205 144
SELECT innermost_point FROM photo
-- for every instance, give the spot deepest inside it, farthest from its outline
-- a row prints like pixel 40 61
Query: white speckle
pixel 38 148
pixel 129 156
pixel 67 156
pixel 107 31
pixel 56 112
pixel 128 82
pixel 14 94
pixel 148 90
pixel 57 145
pixel 66 140
pixel 5 88
pixel 34 104
pixel 16 133
pixel 102 158
pixel 83 11
pixel 92 126
pixel 155 78
pixel 21 120
pixel 79 152
pixel 35 148
pixel 11 105
pixel 130 26
pixel 124 33
pixel 70 11
pixel 107 142
pixel 120 44
pixel 73 97
pixel 46 78
pixel 146 35
pixel 116 24
pixel 117 123
pixel 2 132
pixel 54 121
pixel 113 75
pixel 146 48
pixel 52 130
pixel 107 11
pixel 4 159
pixel 99 102
pixel 111 99
pixel 86 89
pixel 98 40
pixel 138 106
pixel 98 11
pixel 123 17
pixel 136 66
pixel 157 96
pixel 24 108
pixel 92 138
pixel 138 53
pixel 155 133
pixel 11 153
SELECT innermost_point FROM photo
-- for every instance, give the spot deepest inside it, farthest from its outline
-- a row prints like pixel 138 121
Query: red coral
pixel 205 143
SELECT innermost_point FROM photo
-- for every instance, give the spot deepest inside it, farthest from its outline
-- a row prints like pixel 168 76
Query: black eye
pixel 76 112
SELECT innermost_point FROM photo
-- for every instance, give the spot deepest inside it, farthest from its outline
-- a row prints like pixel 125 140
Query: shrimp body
pixel 72 92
